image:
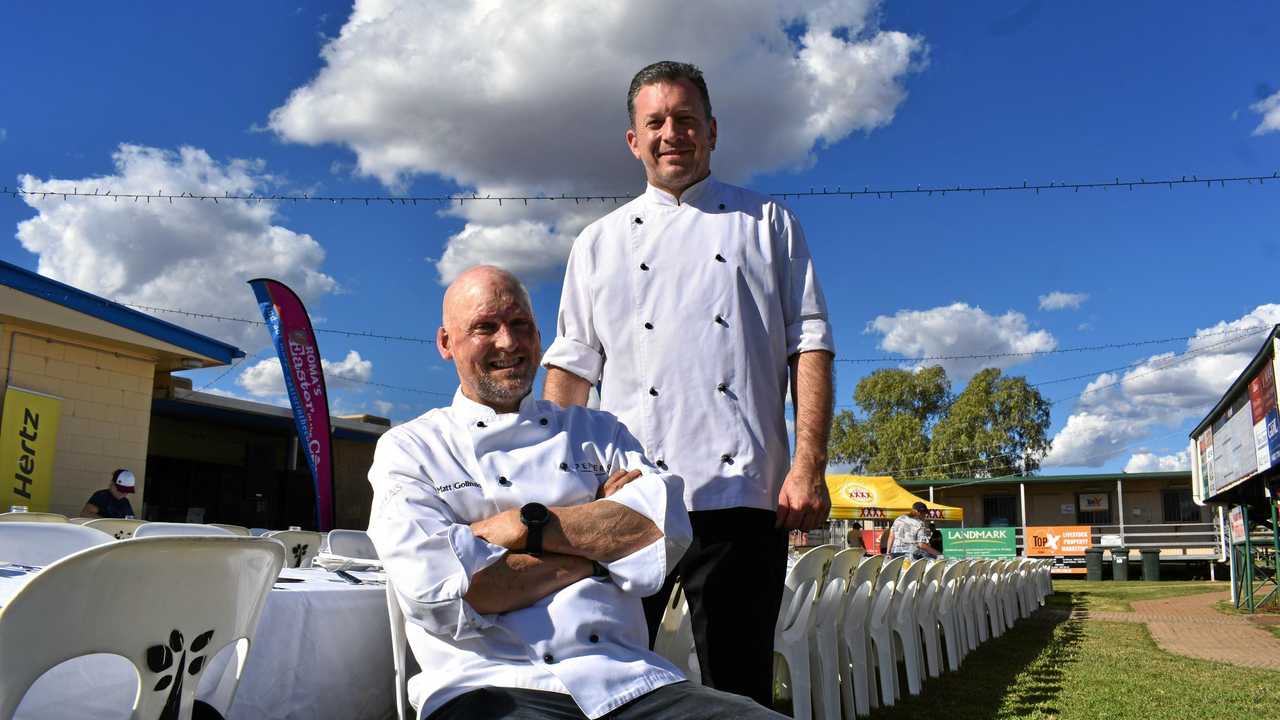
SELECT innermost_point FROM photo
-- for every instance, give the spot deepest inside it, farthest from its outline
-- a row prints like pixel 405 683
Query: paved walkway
pixel 1191 626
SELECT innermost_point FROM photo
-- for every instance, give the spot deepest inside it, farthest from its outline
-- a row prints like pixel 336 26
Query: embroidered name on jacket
pixel 456 486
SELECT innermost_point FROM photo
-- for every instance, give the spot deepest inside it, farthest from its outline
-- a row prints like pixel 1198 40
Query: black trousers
pixel 732 577
pixel 683 701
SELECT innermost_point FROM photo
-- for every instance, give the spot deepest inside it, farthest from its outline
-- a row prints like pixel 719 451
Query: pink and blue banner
pixel 304 378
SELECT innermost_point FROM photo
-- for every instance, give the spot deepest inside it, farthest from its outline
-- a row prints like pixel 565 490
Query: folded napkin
pixel 332 562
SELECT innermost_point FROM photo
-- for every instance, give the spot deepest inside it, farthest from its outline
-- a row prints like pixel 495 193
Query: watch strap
pixel 533 539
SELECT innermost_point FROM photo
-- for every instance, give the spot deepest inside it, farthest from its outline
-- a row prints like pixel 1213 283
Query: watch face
pixel 535 514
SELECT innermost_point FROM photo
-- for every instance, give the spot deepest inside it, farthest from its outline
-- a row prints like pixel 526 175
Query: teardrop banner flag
pixel 304 379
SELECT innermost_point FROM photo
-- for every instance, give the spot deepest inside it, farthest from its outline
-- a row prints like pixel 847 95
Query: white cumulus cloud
pixel 265 379
pixel 188 255
pixel 1117 410
pixel 1150 462
pixel 1269 109
pixel 1058 300
pixel 527 98
pixel 961 329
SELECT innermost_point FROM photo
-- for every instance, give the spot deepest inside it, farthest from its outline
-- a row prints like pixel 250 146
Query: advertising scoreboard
pixel 1241 438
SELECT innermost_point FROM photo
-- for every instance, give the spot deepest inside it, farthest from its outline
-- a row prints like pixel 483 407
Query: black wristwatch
pixel 535 516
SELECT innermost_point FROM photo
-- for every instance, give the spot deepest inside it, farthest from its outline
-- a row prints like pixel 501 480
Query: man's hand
pixel 503 529
pixel 804 501
pixel 616 482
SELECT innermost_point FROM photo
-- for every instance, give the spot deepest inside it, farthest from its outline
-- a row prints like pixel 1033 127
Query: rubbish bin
pixel 1120 563
pixel 1151 564
pixel 1093 564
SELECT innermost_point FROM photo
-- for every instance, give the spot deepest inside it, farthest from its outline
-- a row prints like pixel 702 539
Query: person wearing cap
pixel 909 535
pixel 112 501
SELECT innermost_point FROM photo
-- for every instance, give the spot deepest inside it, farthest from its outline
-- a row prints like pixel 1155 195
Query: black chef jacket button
pixel 661 464
pixel 722 387
pixel 594 638
pixel 480 424
pixel 720 320
pixel 549 658
pixel 726 458
pixel 721 206
pixel 719 257
pixel 653 391
pixel 564 466
pixel 648 326
pixel 542 421
pixel 639 221
pixel 503 481
pixel 644 266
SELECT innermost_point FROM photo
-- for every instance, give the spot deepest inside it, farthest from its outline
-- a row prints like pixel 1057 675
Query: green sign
pixel 998 542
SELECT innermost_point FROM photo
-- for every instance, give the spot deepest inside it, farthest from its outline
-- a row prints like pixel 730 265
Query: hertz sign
pixel 28 439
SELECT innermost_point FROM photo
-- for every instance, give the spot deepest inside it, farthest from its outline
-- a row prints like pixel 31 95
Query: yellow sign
pixel 28 436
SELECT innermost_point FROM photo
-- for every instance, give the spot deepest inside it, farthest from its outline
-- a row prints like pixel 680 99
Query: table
pixel 322 650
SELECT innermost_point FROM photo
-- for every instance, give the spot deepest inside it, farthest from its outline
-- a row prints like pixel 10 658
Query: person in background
pixel 853 538
pixel 910 536
pixel 935 538
pixel 113 500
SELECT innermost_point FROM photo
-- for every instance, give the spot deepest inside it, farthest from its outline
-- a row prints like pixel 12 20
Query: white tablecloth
pixel 322 650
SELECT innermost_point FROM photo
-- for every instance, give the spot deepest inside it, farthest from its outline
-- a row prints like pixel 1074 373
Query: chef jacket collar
pixel 691 194
pixel 470 410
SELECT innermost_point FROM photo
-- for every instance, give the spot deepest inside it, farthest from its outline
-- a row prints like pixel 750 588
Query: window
pixel 1093 508
pixel 1179 507
pixel 999 511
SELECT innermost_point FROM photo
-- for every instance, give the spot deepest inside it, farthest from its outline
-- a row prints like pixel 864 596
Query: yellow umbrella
pixel 878 497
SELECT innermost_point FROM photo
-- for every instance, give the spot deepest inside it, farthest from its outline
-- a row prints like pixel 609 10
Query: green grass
pixel 1110 596
pixel 1051 667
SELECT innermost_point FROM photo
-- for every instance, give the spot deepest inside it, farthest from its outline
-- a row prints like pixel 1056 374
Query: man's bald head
pixel 477 283
pixel 489 333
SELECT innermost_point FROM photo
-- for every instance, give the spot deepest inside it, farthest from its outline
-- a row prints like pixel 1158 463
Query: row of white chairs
pixel 848 621
pixel 41 543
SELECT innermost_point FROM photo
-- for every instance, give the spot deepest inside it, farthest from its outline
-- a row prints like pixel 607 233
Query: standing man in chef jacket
pixel 692 307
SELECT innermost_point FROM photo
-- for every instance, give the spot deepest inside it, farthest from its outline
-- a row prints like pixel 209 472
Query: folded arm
pixel 517 581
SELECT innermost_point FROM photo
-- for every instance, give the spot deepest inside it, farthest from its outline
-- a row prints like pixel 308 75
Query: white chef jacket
pixel 453 466
pixel 686 311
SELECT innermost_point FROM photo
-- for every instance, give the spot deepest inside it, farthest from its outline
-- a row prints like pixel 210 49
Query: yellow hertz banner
pixel 28 435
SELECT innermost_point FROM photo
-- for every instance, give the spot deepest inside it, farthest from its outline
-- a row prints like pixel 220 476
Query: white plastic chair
pixel 118 528
pixel 856 679
pixel 794 628
pixel 41 543
pixel 352 543
pixel 302 545
pixel 950 612
pixel 824 651
pixel 902 621
pixel 926 616
pixel 32 517
pixel 399 656
pixel 165 604
pixel 674 639
pixel 240 530
pixel 164 529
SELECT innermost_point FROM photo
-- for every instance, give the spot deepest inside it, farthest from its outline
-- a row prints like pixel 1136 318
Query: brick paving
pixel 1190 625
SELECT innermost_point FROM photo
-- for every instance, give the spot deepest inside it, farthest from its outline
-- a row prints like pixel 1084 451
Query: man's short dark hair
pixel 920 507
pixel 668 71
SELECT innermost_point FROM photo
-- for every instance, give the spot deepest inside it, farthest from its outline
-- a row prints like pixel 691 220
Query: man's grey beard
pixel 491 391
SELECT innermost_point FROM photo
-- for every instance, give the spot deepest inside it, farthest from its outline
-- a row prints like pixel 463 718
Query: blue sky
pixel 448 99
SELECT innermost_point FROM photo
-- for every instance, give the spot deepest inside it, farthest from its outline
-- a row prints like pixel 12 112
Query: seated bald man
pixel 521 536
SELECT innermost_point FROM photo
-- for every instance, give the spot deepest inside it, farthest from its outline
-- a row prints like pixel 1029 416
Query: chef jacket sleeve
pixel 804 308
pixel 658 496
pixel 577 347
pixel 428 552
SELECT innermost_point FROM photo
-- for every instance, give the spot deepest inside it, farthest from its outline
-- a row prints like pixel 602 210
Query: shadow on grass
pixel 1017 675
